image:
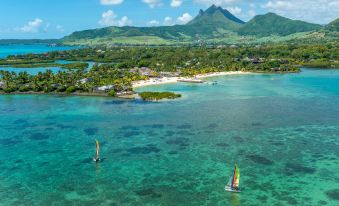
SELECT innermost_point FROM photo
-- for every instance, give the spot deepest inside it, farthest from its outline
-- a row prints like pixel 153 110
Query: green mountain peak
pixel 214 13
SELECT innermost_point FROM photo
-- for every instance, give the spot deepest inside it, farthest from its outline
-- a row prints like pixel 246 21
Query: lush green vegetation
pixel 333 26
pixel 273 24
pixel 212 26
pixel 117 67
pixel 156 96
pixel 71 81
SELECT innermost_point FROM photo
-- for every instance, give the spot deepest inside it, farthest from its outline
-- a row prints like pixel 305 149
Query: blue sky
pixel 57 18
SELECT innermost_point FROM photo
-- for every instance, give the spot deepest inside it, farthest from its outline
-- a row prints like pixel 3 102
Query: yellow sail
pixel 237 177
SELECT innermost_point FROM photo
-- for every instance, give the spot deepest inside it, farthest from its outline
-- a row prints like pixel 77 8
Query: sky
pixel 25 19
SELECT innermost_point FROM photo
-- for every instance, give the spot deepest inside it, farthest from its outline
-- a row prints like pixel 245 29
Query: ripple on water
pixel 222 144
pixel 292 168
pixel 180 141
pixel 20 121
pixel 131 133
pixel 259 159
pixel 37 136
pixel 150 148
pixel 128 127
pixel 333 194
pixel 10 141
pixel 91 131
pixel 155 126
pixel 148 192
pixel 184 126
pixel 62 126
pixel 212 126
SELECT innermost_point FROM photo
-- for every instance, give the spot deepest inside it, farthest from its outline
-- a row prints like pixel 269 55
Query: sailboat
pixel 233 183
pixel 96 158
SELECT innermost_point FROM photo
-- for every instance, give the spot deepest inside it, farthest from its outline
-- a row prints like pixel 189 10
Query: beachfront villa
pixel 85 80
pixel 144 71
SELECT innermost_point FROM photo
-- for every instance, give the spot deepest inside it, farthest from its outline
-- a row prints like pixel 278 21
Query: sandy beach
pixel 169 80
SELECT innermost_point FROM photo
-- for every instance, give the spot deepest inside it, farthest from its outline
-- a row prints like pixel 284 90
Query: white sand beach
pixel 168 80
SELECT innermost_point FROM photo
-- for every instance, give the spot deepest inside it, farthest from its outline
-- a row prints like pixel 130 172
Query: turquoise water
pixel 32 71
pixel 14 49
pixel 36 70
pixel 283 130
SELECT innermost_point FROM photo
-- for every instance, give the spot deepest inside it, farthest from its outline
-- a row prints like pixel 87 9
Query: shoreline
pixel 75 94
pixel 171 80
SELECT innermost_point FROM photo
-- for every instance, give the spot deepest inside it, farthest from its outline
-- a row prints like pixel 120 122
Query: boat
pixel 233 183
pixel 190 80
pixel 96 158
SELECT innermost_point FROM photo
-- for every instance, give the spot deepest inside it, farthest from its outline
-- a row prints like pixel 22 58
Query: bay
pixel 281 129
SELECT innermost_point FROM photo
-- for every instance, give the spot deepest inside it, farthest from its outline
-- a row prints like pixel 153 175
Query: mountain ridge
pixel 273 24
pixel 215 24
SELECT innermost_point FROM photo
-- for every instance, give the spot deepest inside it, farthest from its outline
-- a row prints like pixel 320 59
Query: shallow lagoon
pixel 283 131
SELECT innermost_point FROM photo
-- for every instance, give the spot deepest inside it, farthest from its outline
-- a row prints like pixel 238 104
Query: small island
pixel 156 96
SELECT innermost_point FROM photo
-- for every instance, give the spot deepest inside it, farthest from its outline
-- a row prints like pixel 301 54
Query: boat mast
pixel 96 149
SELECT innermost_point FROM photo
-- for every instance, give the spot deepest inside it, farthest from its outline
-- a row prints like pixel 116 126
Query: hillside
pixel 273 24
pixel 216 17
pixel 215 25
pixel 333 26
pixel 215 22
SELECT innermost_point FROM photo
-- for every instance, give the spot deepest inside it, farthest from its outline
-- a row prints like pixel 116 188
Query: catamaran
pixel 233 183
pixel 96 158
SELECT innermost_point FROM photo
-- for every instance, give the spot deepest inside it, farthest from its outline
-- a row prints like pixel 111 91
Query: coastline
pixel 171 80
pixel 75 94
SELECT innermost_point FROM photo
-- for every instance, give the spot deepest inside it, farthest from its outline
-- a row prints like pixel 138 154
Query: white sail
pixel 230 182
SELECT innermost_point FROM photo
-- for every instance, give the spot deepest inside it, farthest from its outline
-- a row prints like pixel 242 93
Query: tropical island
pixel 117 69
pixel 177 55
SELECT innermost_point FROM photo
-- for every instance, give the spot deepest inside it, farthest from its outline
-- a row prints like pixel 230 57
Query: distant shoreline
pixel 171 80
pixel 75 94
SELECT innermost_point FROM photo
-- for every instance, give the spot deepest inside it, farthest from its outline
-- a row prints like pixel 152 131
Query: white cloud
pixel 32 26
pixel 124 21
pixel 47 26
pixel 111 2
pixel 216 2
pixel 153 23
pixel 251 13
pixel 185 18
pixel 168 21
pixel 153 3
pixel 109 18
pixel 176 3
pixel 60 29
pixel 318 11
pixel 234 10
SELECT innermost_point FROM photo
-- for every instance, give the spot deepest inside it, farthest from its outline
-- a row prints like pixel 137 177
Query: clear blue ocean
pixel 282 130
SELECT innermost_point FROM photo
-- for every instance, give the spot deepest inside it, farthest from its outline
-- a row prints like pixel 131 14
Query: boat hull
pixel 229 189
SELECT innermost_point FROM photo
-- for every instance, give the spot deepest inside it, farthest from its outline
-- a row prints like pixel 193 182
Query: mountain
pixel 214 25
pixel 333 26
pixel 273 24
pixel 217 16
pixel 215 22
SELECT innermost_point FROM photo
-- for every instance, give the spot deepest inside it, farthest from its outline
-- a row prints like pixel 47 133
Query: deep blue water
pixel 282 130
